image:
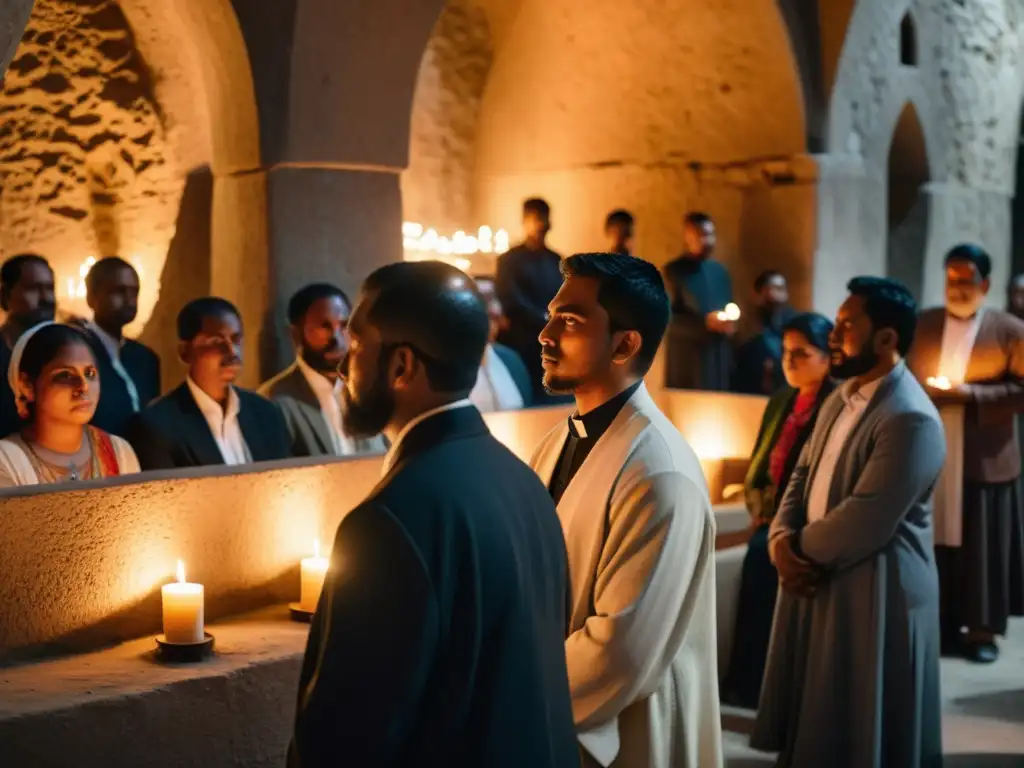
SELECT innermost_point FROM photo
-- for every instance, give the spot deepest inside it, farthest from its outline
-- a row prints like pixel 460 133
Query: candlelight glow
pixel 181 572
pixel 731 312
pixel 420 244
pixel 938 382
pixel 75 286
pixel 316 547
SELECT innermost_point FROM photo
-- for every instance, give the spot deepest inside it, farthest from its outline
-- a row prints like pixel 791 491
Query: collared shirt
pixel 327 395
pixel 495 388
pixel 393 451
pixel 113 348
pixel 223 423
pixel 855 403
pixel 584 432
pixel 958 335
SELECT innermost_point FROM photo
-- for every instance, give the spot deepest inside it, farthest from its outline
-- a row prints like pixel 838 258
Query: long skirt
pixel 759 586
pixel 982 581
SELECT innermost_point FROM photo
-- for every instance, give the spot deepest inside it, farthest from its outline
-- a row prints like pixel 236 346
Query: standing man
pixel 634 506
pixel 527 279
pixel 309 391
pixel 129 371
pixel 979 523
pixel 852 679
pixel 438 637
pixel 27 299
pixel 208 420
pixel 699 352
pixel 618 228
pixel 759 357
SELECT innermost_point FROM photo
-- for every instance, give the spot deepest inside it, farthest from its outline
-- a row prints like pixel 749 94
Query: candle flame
pixel 316 547
pixel 938 382
pixel 732 312
pixel 181 572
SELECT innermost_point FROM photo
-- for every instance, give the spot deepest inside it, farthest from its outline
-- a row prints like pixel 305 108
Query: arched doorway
pixel 908 205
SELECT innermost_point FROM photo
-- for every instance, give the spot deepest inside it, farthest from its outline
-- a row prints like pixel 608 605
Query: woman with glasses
pixel 787 423
pixel 53 376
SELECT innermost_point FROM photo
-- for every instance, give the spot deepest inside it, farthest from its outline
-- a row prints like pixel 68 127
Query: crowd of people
pixel 480 611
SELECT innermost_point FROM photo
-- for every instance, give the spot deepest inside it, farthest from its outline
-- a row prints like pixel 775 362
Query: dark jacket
pixel 517 370
pixel 696 358
pixel 439 639
pixel 114 411
pixel 762 495
pixel 172 432
pixel 9 420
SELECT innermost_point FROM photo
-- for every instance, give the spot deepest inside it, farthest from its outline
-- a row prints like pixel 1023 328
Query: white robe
pixel 642 653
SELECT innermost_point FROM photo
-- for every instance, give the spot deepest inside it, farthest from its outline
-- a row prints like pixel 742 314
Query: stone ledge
pixel 119 707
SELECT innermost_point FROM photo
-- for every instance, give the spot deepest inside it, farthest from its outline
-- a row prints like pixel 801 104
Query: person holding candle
pixel 972 358
pixel 54 375
pixel 788 421
pixel 698 349
pixel 439 635
pixel 208 420
pixel 759 367
pixel 27 298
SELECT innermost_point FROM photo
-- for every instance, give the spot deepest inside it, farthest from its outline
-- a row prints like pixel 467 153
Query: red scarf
pixel 105 453
pixel 802 411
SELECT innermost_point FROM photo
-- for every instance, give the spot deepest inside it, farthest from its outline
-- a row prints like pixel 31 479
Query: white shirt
pixel 113 347
pixel 495 388
pixel 327 395
pixel 856 403
pixel 393 451
pixel 223 424
pixel 958 337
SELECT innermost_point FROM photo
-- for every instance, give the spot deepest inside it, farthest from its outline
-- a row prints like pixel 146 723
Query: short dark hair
pixel 974 254
pixel 814 327
pixel 538 206
pixel 437 311
pixel 699 219
pixel 889 304
pixel 10 271
pixel 762 279
pixel 104 269
pixel 190 319
pixel 620 217
pixel 306 296
pixel 44 345
pixel 633 294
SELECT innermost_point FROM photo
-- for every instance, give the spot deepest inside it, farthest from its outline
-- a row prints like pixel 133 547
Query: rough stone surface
pixel 967 89
pixel 84 166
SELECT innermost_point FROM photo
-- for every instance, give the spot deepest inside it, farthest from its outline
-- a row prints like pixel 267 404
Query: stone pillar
pixel 13 19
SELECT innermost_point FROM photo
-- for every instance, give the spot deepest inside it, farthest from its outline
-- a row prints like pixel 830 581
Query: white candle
pixel 938 382
pixel 314 569
pixel 183 610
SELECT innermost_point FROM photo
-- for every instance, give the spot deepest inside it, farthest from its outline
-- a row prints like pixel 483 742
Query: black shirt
pixel 584 432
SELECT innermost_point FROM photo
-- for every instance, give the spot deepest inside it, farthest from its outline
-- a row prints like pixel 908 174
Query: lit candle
pixel 183 610
pixel 314 569
pixel 938 382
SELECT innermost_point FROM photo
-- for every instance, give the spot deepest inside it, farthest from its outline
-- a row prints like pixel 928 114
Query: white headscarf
pixel 14 368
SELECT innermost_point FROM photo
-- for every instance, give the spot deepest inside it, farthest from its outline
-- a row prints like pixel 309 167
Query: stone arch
pixel 581 112
pixel 908 201
pixel 908 40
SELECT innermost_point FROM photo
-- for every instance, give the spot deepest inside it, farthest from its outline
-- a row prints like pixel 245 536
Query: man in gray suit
pixel 852 679
pixel 307 392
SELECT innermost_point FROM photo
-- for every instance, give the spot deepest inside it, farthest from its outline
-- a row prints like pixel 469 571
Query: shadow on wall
pixel 186 273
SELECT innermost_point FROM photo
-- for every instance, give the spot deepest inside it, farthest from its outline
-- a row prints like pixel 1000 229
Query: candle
pixel 731 313
pixel 938 382
pixel 314 569
pixel 183 610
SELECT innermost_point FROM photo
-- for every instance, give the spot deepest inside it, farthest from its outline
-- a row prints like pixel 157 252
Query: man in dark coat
pixel 27 298
pixel 439 636
pixel 759 357
pixel 698 349
pixel 208 420
pixel 129 370
pixel 528 277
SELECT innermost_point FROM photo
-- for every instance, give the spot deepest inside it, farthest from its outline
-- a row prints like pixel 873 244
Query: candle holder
pixel 177 653
pixel 300 614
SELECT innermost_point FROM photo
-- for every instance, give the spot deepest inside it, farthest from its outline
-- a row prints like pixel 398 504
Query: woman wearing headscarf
pixel 787 423
pixel 56 386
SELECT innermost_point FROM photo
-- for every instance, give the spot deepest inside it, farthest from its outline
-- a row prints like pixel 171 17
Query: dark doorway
pixel 908 203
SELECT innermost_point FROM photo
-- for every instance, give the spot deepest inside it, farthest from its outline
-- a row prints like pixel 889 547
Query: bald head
pixel 437 311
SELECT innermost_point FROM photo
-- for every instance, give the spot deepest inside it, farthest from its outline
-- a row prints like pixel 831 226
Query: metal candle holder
pixel 177 653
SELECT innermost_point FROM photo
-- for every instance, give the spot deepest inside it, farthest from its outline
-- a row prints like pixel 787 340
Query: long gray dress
pixel 852 679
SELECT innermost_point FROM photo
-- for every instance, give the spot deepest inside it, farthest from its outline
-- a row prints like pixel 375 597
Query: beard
pixel 366 414
pixel 319 362
pixel 849 367
pixel 560 385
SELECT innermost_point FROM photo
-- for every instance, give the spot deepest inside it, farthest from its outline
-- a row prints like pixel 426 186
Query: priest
pixel 634 506
pixel 973 359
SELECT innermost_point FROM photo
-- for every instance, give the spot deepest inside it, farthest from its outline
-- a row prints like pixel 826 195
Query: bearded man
pixel 852 679
pixel 439 635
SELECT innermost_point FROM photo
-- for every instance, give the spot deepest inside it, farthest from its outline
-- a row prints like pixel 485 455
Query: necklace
pixel 51 473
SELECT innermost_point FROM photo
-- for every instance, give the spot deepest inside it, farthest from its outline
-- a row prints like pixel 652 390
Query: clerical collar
pixel 590 426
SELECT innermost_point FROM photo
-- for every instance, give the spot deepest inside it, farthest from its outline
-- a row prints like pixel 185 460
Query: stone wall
pixel 84 163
